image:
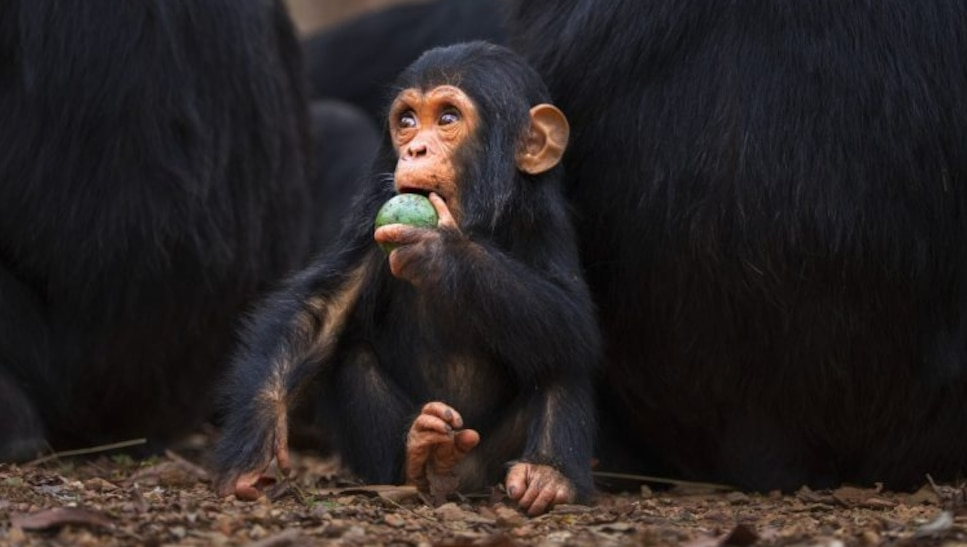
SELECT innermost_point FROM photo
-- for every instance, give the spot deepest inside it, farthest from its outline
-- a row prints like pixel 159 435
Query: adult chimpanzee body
pixel 772 204
pixel 152 179
pixel 474 340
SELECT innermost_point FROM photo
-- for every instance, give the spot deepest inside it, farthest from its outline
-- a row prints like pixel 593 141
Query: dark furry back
pixel 151 181
pixel 773 209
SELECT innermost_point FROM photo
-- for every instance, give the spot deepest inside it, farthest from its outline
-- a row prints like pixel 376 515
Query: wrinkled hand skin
pixel 435 445
pixel 537 488
pixel 415 257
pixel 248 486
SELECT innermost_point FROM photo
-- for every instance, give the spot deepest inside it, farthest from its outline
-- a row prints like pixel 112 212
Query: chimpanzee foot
pixel 435 445
pixel 538 488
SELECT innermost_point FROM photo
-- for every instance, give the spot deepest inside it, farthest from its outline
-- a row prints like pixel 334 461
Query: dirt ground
pixel 115 500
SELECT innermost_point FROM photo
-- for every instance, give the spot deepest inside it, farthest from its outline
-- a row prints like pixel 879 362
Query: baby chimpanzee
pixel 477 336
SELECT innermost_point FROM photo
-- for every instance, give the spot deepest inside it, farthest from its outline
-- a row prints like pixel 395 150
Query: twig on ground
pixel 86 451
pixel 661 480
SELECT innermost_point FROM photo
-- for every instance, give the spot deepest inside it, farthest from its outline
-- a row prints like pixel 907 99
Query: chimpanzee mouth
pixel 420 187
pixel 425 192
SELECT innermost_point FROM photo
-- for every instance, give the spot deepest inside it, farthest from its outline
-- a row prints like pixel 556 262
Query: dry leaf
pixel 851 496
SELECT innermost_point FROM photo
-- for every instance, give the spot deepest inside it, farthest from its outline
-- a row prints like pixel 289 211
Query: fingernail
pixel 511 491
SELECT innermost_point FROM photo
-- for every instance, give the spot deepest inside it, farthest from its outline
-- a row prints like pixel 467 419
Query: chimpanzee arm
pixel 289 338
pixel 561 424
pixel 534 316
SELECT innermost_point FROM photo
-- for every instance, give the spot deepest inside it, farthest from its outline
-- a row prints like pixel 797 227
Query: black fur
pixel 505 334
pixel 772 201
pixel 152 181
pixel 345 140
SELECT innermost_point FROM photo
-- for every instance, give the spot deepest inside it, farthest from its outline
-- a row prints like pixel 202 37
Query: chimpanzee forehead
pixel 445 93
pixel 494 77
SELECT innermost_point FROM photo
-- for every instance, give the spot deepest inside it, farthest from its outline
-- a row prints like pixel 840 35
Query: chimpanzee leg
pixel 370 416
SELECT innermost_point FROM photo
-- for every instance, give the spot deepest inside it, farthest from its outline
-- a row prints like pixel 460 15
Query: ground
pixel 167 500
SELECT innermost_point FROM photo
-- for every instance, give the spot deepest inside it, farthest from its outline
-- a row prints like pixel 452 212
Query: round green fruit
pixel 410 209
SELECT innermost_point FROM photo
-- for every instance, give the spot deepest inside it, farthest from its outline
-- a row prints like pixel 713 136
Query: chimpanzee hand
pixel 537 488
pixel 418 256
pixel 245 484
pixel 435 444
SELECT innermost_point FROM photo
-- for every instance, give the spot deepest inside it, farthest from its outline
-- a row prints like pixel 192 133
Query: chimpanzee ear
pixel 546 140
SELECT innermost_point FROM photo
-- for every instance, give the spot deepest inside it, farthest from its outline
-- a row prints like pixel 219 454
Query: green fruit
pixel 410 209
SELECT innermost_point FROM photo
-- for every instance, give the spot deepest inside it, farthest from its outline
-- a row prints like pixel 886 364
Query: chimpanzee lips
pixel 413 190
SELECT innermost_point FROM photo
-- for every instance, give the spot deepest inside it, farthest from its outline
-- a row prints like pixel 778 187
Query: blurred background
pixel 313 15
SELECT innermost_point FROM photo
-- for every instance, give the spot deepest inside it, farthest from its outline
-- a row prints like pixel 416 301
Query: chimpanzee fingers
pixel 246 486
pixel 516 481
pixel 420 449
pixel 417 457
pixel 537 488
pixel 445 457
pixel 435 438
pixel 425 423
pixel 244 479
pixel 444 412
pixel 388 234
pixel 445 218
pixel 465 440
pixel 544 498
pixel 425 439
pixel 401 234
pixel 426 431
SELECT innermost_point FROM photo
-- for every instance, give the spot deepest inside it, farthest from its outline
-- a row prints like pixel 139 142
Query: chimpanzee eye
pixel 450 115
pixel 407 119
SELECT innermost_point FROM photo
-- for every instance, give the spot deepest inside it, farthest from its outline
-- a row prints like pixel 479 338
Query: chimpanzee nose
pixel 416 150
